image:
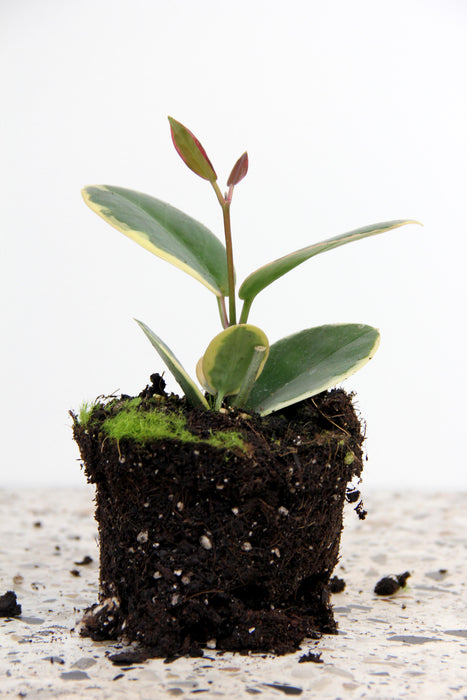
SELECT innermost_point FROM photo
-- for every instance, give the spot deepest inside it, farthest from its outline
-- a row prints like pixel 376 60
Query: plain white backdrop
pixel 352 113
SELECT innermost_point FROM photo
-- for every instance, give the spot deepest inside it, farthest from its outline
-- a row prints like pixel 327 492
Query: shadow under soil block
pixel 225 530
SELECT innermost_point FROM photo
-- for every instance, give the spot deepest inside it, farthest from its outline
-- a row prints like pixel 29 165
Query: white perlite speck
pixel 282 510
pixel 246 546
pixel 205 542
pixel 142 537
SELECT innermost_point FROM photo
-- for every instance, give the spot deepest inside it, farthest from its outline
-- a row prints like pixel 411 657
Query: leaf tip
pixel 191 151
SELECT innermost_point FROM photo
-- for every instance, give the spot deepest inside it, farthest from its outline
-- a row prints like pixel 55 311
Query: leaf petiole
pixel 245 310
pixel 225 204
pixel 219 400
pixel 222 312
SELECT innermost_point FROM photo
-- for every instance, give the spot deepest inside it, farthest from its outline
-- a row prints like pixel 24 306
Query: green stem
pixel 219 195
pixel 222 312
pixel 225 204
pixel 245 310
pixel 218 402
pixel 250 376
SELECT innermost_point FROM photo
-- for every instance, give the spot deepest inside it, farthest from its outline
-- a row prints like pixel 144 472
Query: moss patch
pixel 154 425
pixel 85 412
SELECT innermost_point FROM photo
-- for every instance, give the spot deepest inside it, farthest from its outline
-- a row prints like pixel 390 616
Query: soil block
pixel 229 545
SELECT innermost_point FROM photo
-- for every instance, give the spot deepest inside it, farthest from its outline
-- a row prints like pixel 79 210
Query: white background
pixel 352 113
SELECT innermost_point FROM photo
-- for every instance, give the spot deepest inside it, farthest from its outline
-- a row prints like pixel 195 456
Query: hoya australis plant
pixel 239 367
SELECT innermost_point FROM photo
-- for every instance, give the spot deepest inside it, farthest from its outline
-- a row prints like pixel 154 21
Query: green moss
pixel 85 412
pixel 151 426
pixel 349 458
pixel 228 440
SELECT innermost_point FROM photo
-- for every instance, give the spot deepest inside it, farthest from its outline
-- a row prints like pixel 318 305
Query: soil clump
pixel 9 607
pixel 230 548
pixel 389 585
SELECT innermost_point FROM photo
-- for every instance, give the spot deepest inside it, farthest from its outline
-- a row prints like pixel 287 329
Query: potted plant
pixel 220 512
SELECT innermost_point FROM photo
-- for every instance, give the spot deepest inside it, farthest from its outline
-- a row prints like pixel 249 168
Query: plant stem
pixel 230 267
pixel 225 204
pixel 245 310
pixel 222 312
pixel 219 195
pixel 218 402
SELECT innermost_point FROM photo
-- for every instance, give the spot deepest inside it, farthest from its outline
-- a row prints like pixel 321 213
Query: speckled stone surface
pixel 410 645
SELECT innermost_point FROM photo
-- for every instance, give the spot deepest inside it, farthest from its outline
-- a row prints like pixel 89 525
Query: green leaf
pixel 228 356
pixel 267 274
pixel 201 378
pixel 303 364
pixel 163 230
pixel 192 393
pixel 191 151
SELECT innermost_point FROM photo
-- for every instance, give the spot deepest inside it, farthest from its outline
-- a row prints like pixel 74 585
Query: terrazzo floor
pixel 410 645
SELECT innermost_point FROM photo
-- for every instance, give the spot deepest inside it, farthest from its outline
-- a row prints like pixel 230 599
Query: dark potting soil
pixel 314 657
pixel 389 585
pixel 9 607
pixel 336 584
pixel 201 543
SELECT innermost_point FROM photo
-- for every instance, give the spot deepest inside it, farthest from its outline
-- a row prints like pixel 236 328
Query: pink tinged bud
pixel 191 151
pixel 239 171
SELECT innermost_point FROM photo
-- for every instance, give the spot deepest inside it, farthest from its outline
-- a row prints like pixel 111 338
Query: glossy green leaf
pixel 201 377
pixel 192 393
pixel 163 230
pixel 228 356
pixel 303 364
pixel 267 274
pixel 191 151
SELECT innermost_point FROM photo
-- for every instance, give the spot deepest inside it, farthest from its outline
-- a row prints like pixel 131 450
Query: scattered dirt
pixel 199 543
pixel 85 561
pixel 314 657
pixel 9 606
pixel 391 584
pixel 336 585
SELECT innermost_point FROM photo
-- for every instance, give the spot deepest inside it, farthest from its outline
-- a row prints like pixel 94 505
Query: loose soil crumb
pixel 85 561
pixel 391 584
pixel 9 606
pixel 336 585
pixel 199 542
pixel 314 657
